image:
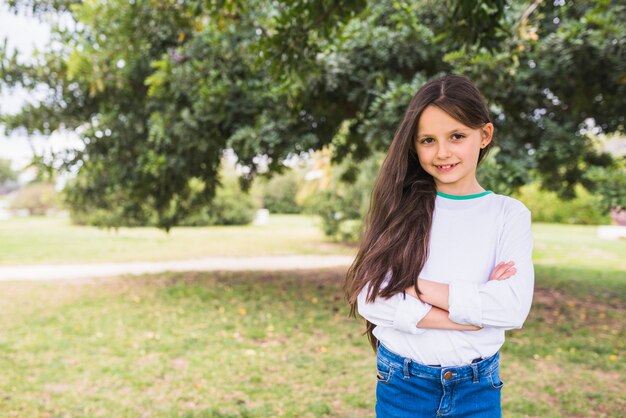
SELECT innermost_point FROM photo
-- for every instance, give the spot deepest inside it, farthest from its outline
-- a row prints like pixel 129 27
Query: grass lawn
pixel 267 344
pixel 42 240
pixel 273 344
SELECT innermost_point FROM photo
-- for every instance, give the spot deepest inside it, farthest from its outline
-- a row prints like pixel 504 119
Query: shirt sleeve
pixel 506 303
pixel 401 312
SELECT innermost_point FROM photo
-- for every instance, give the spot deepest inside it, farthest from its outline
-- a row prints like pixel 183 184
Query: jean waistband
pixel 484 366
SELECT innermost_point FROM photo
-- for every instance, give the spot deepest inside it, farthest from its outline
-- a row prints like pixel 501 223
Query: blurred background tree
pixel 7 174
pixel 157 90
pixel 8 177
pixel 36 198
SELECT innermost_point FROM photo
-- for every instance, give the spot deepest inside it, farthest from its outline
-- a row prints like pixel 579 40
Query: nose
pixel 443 151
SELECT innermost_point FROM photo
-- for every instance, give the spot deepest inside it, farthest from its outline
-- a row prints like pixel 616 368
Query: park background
pixel 185 123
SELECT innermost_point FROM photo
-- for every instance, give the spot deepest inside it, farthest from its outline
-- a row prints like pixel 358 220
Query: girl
pixel 444 266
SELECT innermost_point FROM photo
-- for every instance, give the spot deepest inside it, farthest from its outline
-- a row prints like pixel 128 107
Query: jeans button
pixel 447 375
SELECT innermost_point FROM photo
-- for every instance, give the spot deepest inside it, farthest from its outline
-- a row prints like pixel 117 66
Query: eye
pixel 426 141
pixel 458 137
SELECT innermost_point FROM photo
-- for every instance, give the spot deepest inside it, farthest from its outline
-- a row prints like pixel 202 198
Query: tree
pixel 37 198
pixel 6 172
pixel 158 89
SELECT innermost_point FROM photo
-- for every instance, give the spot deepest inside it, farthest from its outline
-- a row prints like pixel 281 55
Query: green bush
pixel 546 206
pixel 610 184
pixel 37 198
pixel 231 206
pixel 279 193
pixel 344 205
pixel 7 174
pixel 110 216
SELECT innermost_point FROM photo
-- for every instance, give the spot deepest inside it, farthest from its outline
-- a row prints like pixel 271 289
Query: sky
pixel 25 34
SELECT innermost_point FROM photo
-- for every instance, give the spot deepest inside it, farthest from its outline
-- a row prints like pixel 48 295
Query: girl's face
pixel 448 150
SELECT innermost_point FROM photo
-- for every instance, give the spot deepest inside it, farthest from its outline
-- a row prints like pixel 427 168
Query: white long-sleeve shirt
pixel 469 236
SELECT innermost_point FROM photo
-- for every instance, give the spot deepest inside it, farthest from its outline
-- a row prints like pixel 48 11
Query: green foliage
pixel 479 24
pixel 494 175
pixel 343 206
pixel 546 206
pixel 6 172
pixel 299 30
pixel 279 193
pixel 231 206
pixel 610 185
pixel 281 78
pixel 37 198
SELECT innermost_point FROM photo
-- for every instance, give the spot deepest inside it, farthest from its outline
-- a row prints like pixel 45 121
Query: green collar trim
pixel 463 197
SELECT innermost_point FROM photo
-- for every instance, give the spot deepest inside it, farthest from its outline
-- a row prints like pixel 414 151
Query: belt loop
pixel 475 372
pixel 407 361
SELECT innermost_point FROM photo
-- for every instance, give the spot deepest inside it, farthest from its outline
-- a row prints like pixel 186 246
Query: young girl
pixel 444 266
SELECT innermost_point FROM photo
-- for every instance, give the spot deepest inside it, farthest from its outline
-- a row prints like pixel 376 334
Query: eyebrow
pixel 454 130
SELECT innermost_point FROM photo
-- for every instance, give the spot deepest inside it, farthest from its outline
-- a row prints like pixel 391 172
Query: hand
pixel 503 271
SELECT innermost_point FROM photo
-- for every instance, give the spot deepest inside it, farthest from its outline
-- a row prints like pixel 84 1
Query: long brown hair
pixel 396 229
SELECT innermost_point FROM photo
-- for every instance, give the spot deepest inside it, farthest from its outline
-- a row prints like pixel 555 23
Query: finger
pixel 506 266
pixel 508 274
pixel 500 268
pixel 494 275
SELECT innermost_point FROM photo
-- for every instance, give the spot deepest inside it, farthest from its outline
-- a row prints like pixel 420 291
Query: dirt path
pixel 81 271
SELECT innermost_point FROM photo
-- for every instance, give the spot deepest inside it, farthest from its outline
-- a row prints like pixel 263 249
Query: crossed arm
pixel 466 305
pixel 437 295
pixel 412 314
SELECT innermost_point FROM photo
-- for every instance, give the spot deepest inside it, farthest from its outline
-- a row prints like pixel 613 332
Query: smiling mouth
pixel 446 167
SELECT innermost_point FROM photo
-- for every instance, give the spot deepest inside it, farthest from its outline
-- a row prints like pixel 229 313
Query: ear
pixel 486 133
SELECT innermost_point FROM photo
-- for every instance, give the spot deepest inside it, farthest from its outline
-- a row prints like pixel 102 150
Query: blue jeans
pixel 406 388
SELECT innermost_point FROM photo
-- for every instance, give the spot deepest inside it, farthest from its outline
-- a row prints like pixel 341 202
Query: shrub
pixel 344 204
pixel 37 198
pixel 546 206
pixel 279 193
pixel 231 206
pixel 610 184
